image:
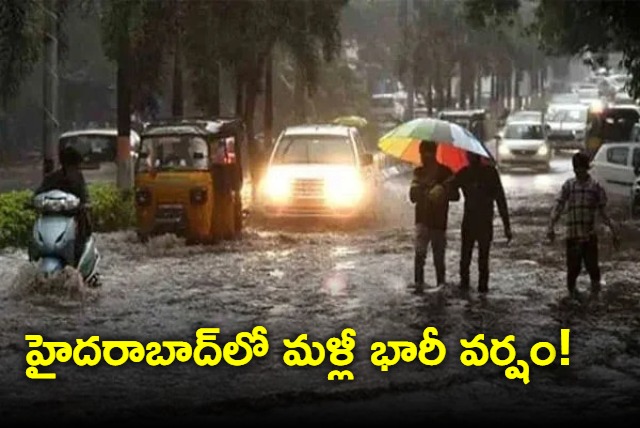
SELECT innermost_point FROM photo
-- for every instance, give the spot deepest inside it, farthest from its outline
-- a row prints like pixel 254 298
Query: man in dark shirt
pixel 431 210
pixel 481 187
pixel 69 179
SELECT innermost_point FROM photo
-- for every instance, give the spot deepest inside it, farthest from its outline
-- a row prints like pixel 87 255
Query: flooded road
pixel 320 282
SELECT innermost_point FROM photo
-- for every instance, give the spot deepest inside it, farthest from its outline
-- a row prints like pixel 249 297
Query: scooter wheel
pixel 94 281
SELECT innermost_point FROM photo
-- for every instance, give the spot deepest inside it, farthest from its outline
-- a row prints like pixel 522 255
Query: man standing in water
pixel 432 209
pixel 481 187
pixel 583 197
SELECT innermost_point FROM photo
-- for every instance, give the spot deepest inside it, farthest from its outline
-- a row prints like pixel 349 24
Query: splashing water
pixel 66 284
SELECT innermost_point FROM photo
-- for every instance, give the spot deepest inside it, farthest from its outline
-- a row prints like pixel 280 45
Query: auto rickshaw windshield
pixel 173 153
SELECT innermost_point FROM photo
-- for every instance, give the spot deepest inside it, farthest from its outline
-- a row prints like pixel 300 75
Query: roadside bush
pixel 110 211
pixel 15 219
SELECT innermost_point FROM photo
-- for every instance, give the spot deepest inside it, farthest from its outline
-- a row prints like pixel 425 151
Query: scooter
pixel 54 234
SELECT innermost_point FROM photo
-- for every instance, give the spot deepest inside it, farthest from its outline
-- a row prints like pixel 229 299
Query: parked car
pixel 320 171
pixel 523 143
pixel 98 148
pixel 387 107
pixel 566 126
pixel 616 166
pixel 564 98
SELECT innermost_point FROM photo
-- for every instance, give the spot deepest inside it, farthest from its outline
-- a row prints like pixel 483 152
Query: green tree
pixel 21 32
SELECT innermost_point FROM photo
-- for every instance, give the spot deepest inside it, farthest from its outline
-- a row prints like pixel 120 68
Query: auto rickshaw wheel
pixel 143 237
pixel 238 216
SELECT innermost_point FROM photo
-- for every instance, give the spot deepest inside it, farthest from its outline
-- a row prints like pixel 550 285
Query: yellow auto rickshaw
pixel 188 179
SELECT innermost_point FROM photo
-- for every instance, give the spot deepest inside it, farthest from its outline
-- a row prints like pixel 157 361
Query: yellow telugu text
pixel 91 351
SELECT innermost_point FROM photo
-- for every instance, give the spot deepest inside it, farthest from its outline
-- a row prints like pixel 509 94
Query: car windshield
pixel 588 93
pixel 93 148
pixel 564 98
pixel 382 102
pixel 525 115
pixel 174 153
pixel 523 132
pixel 319 149
pixel 568 115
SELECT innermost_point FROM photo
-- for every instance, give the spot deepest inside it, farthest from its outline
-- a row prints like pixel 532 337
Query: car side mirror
pixel 366 159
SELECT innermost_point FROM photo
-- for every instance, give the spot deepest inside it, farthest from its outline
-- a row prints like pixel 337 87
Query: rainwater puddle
pixel 346 265
pixel 341 251
pixel 276 273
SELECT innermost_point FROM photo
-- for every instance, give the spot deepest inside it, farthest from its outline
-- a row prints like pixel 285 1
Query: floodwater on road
pixel 320 282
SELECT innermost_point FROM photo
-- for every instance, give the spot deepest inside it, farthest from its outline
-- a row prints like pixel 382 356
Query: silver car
pixel 524 144
pixel 566 126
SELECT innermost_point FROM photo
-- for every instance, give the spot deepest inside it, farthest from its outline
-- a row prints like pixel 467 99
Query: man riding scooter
pixel 69 179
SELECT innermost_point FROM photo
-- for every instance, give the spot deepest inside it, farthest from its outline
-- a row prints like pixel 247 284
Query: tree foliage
pixel 574 27
pixel 21 33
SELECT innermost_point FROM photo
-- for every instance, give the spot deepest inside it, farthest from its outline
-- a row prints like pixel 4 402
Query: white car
pixel 523 144
pixel 320 171
pixel 387 107
pixel 99 148
pixel 616 166
pixel 520 115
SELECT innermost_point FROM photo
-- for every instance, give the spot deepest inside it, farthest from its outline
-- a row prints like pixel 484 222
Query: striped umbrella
pixel 453 140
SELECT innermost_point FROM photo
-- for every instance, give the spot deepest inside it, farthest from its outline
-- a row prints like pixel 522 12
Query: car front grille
pixel 524 152
pixel 308 188
pixel 562 136
pixel 170 212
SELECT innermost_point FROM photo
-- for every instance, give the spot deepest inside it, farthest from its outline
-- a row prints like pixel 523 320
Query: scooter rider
pixel 69 179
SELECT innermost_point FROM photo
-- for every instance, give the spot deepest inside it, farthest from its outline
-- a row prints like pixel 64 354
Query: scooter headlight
pixel 59 205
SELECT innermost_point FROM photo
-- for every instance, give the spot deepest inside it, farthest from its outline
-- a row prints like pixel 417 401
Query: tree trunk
pixel 214 104
pixel 439 81
pixel 448 90
pixel 177 104
pixel 123 83
pixel 479 89
pixel 268 103
pixel 299 96
pixel 509 88
pixel 516 88
pixel 240 84
pixel 429 96
pixel 494 89
pixel 472 88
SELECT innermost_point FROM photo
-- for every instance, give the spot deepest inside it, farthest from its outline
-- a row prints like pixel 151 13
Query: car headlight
pixel 277 186
pixel 343 189
pixel 503 149
pixel 543 150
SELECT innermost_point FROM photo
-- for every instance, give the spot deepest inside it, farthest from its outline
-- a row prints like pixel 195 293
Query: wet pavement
pixel 319 282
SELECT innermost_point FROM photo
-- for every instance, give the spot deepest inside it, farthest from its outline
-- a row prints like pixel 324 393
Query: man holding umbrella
pixel 431 201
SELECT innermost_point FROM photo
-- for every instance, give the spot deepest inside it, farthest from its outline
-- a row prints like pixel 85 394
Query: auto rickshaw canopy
pixel 473 120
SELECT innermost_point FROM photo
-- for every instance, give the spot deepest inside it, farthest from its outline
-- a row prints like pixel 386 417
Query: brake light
pixel 198 195
pixel 143 197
